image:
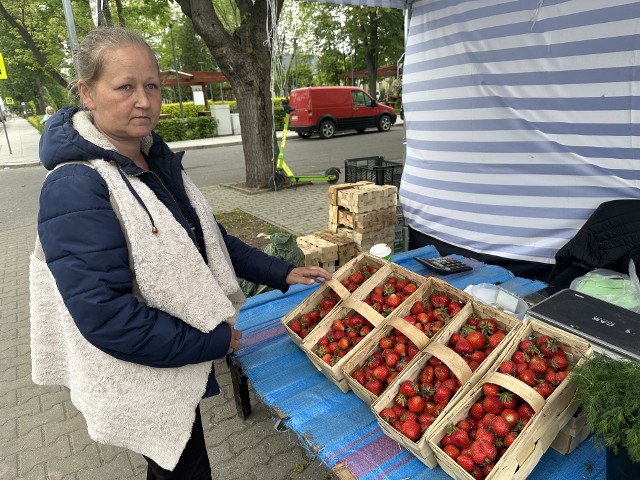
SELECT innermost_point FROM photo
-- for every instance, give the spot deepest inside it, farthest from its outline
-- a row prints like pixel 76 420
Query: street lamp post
pixel 352 54
pixel 295 60
pixel 175 68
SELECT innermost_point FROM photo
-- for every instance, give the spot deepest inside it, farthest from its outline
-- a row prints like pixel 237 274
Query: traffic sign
pixel 3 71
pixel 8 101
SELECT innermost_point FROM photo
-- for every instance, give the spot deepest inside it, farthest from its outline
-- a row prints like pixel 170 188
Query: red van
pixel 325 110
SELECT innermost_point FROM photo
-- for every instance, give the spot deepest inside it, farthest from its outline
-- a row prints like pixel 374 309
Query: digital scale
pixel 609 328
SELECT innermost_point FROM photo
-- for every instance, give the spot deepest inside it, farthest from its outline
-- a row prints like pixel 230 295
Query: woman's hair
pixel 95 48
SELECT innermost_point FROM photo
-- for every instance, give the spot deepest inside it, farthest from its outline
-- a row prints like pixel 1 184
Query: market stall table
pixel 338 427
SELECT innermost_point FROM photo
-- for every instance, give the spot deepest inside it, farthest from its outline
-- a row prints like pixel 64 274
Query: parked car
pixel 326 110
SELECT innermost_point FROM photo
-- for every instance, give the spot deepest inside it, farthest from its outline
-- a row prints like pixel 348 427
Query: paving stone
pixel 118 468
pixel 85 460
pixel 27 459
pixel 33 420
pixel 31 440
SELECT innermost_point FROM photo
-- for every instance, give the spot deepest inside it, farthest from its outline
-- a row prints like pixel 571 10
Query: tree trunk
pixel 245 59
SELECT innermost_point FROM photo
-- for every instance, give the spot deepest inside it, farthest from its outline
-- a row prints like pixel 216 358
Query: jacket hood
pixel 70 135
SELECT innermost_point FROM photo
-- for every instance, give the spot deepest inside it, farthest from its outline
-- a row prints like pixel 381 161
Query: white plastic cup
pixel 381 250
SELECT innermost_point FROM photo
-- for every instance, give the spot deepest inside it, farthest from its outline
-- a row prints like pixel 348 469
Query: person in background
pixel 49 111
pixel 133 284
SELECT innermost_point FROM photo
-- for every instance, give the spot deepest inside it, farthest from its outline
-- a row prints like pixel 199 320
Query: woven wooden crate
pixel 364 241
pixel 371 345
pixel 328 250
pixel 367 198
pixel 364 222
pixel 311 255
pixel 309 347
pixel 311 303
pixel 357 264
pixel 458 367
pixel 347 248
pixel 332 194
pixel 572 434
pixel 551 414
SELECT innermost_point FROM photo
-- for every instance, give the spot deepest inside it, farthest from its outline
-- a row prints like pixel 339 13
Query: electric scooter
pixel 283 175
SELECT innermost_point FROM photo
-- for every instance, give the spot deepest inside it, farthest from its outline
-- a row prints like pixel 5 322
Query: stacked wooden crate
pixel 327 249
pixel 364 212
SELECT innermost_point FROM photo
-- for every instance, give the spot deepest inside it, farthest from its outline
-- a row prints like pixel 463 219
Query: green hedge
pixel 190 128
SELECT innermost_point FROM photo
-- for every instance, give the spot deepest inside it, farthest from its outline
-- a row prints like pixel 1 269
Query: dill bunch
pixel 608 390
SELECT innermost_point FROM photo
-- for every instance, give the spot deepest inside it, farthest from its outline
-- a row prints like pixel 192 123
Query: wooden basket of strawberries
pixel 433 305
pixel 384 354
pixel 306 316
pixel 412 404
pixel 339 335
pixel 527 388
pixel 388 289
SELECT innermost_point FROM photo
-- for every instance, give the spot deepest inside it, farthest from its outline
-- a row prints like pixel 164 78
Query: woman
pixel 133 283
pixel 49 111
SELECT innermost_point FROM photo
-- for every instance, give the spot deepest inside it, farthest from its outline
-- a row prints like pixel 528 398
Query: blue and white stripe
pixel 522 116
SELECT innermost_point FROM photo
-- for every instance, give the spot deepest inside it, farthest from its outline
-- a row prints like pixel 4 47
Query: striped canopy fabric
pixel 399 4
pixel 522 116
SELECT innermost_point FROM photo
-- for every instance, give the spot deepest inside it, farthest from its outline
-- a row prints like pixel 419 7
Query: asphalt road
pixel 310 156
pixel 20 187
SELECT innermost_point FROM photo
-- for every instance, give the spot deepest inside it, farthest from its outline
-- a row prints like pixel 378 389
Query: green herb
pixel 608 390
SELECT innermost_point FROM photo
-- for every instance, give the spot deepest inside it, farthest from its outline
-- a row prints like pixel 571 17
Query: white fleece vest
pixel 148 410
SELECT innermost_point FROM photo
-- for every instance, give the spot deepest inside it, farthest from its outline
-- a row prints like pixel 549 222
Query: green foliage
pixel 608 390
pixel 177 129
pixel 173 109
pixel 35 121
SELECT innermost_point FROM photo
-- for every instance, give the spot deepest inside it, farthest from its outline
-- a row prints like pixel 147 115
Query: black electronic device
pixel 608 327
pixel 443 265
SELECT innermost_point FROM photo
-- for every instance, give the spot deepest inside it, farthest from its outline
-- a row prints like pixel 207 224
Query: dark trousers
pixel 193 463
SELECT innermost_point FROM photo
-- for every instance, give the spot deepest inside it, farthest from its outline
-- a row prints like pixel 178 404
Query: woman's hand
pixel 307 275
pixel 236 335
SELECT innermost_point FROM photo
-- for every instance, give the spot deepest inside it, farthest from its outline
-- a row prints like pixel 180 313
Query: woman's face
pixel 50 110
pixel 126 99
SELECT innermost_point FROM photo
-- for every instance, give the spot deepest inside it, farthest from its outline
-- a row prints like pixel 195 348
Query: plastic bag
pixel 613 287
pixel 284 246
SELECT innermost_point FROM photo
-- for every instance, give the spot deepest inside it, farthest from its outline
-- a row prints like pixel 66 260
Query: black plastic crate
pixel 373 169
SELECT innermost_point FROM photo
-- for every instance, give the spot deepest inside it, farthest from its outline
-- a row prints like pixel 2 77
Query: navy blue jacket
pixel 86 251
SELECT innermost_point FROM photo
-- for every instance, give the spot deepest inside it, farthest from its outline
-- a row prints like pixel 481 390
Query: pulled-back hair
pixel 95 47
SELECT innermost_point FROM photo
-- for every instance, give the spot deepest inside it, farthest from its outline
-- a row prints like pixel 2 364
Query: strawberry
pixel 488 326
pixel 296 326
pixel 408 388
pixel 454 307
pixel 483 452
pixel 417 307
pixel 374 386
pixel 439 299
pixel 389 415
pixel 357 278
pixel 509 439
pixel 544 389
pixel 558 362
pixel 411 430
pixel 460 438
pixel 526 411
pixel 426 375
pixel 508 399
pixel 463 347
pixel 452 451
pixel 490 389
pixel 511 416
pixel 528 376
pixel 381 373
pixel 537 365
pixel 393 300
pixel 416 404
pixel 442 372
pixel 547 345
pixel 477 340
pixel 466 462
pixel 496 338
pixel 338 325
pixel 477 410
pixel 442 394
pixel 500 426
pixel 507 367
pixel 409 288
pixel 492 404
